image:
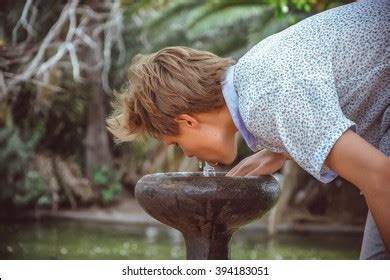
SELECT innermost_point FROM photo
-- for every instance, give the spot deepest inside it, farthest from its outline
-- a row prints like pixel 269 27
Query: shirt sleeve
pixel 304 119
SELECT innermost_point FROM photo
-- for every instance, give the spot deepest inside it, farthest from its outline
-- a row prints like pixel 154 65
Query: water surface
pixel 76 240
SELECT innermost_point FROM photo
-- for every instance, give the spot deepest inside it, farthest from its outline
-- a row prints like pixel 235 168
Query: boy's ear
pixel 187 120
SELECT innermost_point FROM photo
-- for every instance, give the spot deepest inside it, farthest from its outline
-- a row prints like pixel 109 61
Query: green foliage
pixel 199 25
pixel 33 191
pixel 16 150
pixel 284 7
pixel 108 183
pixel 206 24
pixel 225 27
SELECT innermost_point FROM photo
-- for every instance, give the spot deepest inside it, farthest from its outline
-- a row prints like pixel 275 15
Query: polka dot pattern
pixel 299 90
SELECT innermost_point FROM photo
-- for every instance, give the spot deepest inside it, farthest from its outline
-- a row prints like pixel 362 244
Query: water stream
pixel 208 170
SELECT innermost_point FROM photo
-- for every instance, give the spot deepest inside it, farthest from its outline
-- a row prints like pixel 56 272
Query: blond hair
pixel 163 85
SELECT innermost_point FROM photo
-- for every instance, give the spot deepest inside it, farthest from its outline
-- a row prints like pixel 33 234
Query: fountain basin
pixel 206 210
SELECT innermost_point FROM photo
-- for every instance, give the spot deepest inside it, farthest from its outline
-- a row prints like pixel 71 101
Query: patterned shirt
pixel 299 90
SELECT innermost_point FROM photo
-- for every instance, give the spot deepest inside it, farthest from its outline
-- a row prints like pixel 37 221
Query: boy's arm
pixel 368 169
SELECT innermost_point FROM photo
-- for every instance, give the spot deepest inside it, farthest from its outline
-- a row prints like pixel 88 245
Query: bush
pixel 108 183
pixel 16 152
pixel 33 191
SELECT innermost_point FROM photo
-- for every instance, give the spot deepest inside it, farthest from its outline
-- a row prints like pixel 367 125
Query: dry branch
pixel 63 52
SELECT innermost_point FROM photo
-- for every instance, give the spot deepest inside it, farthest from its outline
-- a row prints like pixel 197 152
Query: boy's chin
pixel 227 160
pixel 230 160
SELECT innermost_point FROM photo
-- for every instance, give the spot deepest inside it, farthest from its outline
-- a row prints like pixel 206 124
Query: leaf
pixel 174 13
pixel 213 7
pixel 100 178
pixel 44 201
pixel 107 196
pixel 221 19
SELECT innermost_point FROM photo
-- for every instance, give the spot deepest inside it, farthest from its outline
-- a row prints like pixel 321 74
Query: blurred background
pixel 66 190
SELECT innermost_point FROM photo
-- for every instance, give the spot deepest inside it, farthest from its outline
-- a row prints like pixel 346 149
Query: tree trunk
pixel 97 143
pixel 98 152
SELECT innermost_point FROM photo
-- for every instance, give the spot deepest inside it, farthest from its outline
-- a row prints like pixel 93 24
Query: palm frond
pixel 222 18
pixel 176 12
pixel 265 27
pixel 211 7
pixel 228 40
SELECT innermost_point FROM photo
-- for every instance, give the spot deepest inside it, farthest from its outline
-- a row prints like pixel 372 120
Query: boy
pixel 317 93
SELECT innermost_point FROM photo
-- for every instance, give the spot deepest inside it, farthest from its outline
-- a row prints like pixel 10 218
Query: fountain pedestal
pixel 206 210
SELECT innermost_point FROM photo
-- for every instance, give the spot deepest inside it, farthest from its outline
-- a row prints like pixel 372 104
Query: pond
pixel 76 240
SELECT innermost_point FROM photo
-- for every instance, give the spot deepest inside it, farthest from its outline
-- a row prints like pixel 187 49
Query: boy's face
pixel 208 136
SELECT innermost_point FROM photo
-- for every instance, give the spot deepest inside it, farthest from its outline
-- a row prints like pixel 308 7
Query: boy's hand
pixel 264 162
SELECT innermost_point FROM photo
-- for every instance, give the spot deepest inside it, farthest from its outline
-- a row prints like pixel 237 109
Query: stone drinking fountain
pixel 207 210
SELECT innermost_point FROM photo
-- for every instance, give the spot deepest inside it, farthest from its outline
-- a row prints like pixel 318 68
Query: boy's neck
pixel 221 118
pixel 228 121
